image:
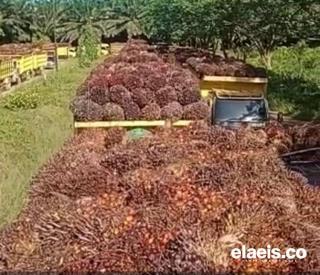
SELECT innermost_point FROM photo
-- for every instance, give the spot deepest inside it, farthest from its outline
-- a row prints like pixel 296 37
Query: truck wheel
pixel 28 75
pixel 7 84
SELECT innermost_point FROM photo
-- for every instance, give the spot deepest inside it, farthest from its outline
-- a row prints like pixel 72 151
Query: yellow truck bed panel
pixel 30 62
pixel 39 61
pixel 25 64
pixel 130 124
pixel 233 86
pixel 63 51
pixel 6 69
pixel 116 47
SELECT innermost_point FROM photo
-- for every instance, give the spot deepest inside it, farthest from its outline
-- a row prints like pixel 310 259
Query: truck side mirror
pixel 280 117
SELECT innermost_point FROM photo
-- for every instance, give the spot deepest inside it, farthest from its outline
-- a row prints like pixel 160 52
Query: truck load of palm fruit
pixel 176 201
pixel 218 66
pixel 5 58
pixel 203 62
pixel 306 135
pixel 51 46
pixel 181 54
pixel 138 85
pixel 16 49
pixel 291 136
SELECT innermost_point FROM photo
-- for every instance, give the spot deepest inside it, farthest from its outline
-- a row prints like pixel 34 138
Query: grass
pixel 31 132
pixel 294 82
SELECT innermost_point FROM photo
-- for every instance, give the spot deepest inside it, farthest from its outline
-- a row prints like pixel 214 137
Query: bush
pixel 87 49
pixel 294 82
pixel 25 101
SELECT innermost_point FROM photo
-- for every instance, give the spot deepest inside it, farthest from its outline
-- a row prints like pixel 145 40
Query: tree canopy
pixel 239 25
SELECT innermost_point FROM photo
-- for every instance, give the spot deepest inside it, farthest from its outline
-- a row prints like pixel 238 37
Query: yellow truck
pixel 29 65
pixel 25 64
pixel 22 66
pixel 103 49
pixel 39 62
pixel 73 51
pixel 6 73
pixel 61 50
pixel 115 48
pixel 233 101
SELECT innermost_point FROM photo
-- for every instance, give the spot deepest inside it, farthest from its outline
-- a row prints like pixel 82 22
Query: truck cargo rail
pixel 131 124
pixel 229 85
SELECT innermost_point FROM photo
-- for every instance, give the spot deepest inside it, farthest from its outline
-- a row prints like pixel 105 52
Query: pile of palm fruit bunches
pixel 178 200
pixel 138 85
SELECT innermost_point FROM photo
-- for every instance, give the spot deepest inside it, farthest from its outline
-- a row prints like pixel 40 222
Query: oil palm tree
pixel 14 22
pixel 1 24
pixel 81 16
pixel 47 16
pixel 127 16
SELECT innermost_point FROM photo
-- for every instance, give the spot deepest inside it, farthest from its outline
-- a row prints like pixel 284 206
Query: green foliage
pixel 82 15
pixel 294 82
pixel 185 22
pixel 128 16
pixel 14 20
pixel 300 61
pixel 47 17
pixel 237 25
pixel 88 46
pixel 264 25
pixel 24 101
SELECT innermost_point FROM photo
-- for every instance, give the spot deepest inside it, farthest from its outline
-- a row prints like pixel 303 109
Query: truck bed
pixel 233 86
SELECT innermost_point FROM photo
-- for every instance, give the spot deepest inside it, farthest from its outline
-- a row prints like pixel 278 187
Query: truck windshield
pixel 233 110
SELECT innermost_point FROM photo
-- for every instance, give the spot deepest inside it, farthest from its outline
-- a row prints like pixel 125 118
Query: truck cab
pixel 236 101
pixel 105 49
pixel 72 51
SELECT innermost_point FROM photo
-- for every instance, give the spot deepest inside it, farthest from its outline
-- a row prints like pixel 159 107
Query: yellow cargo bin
pixel 39 61
pixel 103 49
pixel 6 69
pixel 24 64
pixel 63 51
pixel 116 47
pixel 6 73
pixel 232 86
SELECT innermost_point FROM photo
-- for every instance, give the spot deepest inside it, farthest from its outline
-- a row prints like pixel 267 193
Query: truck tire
pixel 7 84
